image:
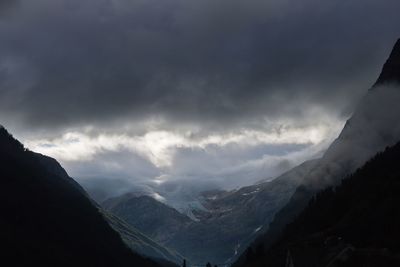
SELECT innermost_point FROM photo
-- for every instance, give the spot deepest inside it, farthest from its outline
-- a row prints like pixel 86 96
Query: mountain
pixel 353 224
pixel 141 243
pixel 233 219
pixel 229 222
pixel 374 125
pixel 391 69
pixel 148 215
pixel 47 219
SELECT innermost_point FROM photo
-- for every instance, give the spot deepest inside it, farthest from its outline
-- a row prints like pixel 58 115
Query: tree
pixel 184 263
pixel 208 264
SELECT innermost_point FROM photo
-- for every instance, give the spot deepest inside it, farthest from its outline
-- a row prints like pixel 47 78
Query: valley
pixel 199 133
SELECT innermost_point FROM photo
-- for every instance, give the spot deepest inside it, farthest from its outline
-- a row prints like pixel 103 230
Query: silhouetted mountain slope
pixel 374 125
pixel 47 219
pixel 353 224
pixel 391 69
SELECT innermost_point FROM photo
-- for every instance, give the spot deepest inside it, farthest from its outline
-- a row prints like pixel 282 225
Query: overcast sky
pixel 221 91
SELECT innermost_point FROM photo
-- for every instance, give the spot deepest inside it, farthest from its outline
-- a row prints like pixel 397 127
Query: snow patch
pixel 252 192
pixel 158 197
pixel 257 229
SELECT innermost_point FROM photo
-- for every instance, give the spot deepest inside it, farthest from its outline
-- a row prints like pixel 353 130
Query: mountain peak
pixel 391 69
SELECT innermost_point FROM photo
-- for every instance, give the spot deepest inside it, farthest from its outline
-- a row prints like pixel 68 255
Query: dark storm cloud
pixel 6 5
pixel 68 63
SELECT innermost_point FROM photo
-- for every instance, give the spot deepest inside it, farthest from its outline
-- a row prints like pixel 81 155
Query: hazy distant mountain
pixel 150 216
pixel 233 219
pixel 353 224
pixel 230 219
pixel 48 220
pixel 374 125
pixel 141 243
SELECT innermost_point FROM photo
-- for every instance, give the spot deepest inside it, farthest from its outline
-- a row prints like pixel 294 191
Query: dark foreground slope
pixel 391 69
pixel 46 218
pixel 353 224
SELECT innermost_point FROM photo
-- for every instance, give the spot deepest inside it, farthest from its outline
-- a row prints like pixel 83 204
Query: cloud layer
pixel 133 88
pixel 69 62
pixel 150 161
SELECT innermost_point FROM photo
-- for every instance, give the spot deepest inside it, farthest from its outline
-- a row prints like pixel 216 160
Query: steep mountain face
pixel 150 216
pixel 140 242
pixel 391 69
pixel 353 224
pixel 48 220
pixel 374 125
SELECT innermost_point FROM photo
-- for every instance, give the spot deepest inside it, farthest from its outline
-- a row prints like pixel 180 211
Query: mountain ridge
pixel 217 226
pixel 352 224
pixel 391 68
pixel 158 224
pixel 48 220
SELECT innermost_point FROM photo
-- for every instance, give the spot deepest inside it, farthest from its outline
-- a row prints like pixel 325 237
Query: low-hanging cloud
pixel 157 158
